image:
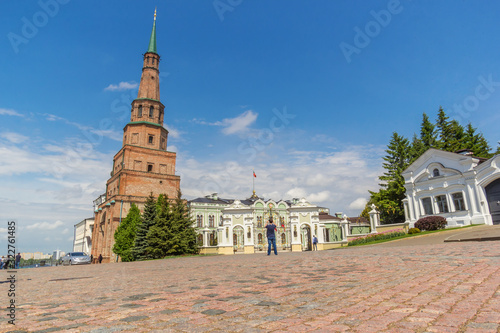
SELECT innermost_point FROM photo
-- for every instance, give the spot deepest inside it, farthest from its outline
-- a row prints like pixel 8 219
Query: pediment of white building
pixel 436 171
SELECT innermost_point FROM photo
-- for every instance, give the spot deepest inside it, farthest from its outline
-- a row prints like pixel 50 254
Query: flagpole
pixel 253 181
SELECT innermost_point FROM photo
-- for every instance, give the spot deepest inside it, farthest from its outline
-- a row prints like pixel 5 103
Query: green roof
pixel 152 40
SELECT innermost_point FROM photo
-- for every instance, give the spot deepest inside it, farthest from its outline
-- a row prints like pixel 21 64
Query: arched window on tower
pixel 435 173
pixel 153 60
pixel 151 111
pixel 147 60
pixel 139 111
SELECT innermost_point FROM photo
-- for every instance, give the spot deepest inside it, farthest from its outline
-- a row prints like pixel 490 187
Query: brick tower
pixel 143 165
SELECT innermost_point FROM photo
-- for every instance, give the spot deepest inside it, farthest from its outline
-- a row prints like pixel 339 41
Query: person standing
pixel 271 238
pixel 91 258
pixel 18 260
pixel 100 258
pixel 315 243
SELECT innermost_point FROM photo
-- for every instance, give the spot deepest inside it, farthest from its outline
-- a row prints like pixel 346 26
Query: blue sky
pixel 306 93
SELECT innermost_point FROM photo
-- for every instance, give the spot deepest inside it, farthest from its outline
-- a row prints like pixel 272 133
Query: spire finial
pixel 152 40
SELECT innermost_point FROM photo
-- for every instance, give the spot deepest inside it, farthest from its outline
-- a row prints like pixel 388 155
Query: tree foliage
pixel 173 233
pixel 140 250
pixel 125 234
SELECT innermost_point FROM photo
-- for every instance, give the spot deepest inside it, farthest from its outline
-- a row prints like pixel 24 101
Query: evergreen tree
pixel 125 234
pixel 140 251
pixel 476 142
pixel 427 133
pixel 173 234
pixel 184 241
pixel 160 234
pixel 417 148
pixel 456 136
pixel 442 126
pixel 389 198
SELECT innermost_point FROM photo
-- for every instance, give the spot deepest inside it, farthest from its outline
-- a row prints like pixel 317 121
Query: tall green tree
pixel 173 234
pixel 476 142
pixel 428 134
pixel 140 250
pixel 417 148
pixel 125 234
pixel 389 198
pixel 184 233
pixel 160 234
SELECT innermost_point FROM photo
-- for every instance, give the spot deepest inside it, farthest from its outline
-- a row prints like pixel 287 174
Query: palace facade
pixel 143 166
pixel 227 226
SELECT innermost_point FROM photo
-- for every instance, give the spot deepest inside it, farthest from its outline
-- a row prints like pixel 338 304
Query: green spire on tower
pixel 152 40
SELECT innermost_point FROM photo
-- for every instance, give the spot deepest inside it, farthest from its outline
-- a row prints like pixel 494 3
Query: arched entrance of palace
pixel 305 237
pixel 238 239
pixel 493 197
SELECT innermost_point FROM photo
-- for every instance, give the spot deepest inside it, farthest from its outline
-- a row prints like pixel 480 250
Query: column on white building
pixel 248 227
pixel 344 224
pixel 374 219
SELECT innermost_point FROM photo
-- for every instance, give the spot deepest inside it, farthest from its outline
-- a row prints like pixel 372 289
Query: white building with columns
pixel 228 226
pixel 458 186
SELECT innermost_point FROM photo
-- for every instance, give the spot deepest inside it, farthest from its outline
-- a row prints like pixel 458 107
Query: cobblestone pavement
pixel 449 287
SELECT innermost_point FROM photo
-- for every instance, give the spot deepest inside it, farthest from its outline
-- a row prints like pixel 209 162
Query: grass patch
pixel 388 239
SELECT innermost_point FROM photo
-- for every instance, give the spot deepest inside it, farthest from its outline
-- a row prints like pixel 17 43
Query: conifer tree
pixel 417 148
pixel 427 133
pixel 389 198
pixel 140 251
pixel 184 234
pixel 160 235
pixel 476 142
pixel 125 234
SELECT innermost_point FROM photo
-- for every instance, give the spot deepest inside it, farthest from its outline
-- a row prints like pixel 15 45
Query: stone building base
pixel 249 249
pixel 296 248
pixel 226 250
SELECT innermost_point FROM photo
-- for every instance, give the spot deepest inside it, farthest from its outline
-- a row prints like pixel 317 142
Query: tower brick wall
pixel 143 166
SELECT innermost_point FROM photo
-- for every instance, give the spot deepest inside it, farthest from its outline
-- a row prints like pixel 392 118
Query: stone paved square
pixel 447 287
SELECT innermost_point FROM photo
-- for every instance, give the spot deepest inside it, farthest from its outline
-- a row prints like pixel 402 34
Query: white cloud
pixel 319 197
pixel 122 86
pixel 14 137
pixel 358 204
pixel 45 225
pixel 10 112
pixel 173 132
pixel 65 231
pixel 237 125
pixel 89 131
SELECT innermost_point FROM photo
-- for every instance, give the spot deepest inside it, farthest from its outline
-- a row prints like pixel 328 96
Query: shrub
pixel 431 223
pixel 413 231
pixel 376 237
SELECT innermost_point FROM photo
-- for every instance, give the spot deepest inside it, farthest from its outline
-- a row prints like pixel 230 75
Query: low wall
pixel 387 227
pixel 328 246
pixel 209 250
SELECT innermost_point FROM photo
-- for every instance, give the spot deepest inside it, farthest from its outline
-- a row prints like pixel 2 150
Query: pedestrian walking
pixel 315 243
pixel 91 258
pixel 100 258
pixel 18 260
pixel 271 238
pixel 1 262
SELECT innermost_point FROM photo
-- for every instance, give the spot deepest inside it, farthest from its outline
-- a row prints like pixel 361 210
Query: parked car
pixel 75 258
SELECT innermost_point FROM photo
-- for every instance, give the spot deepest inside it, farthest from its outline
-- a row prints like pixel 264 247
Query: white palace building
pixel 458 186
pixel 228 226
